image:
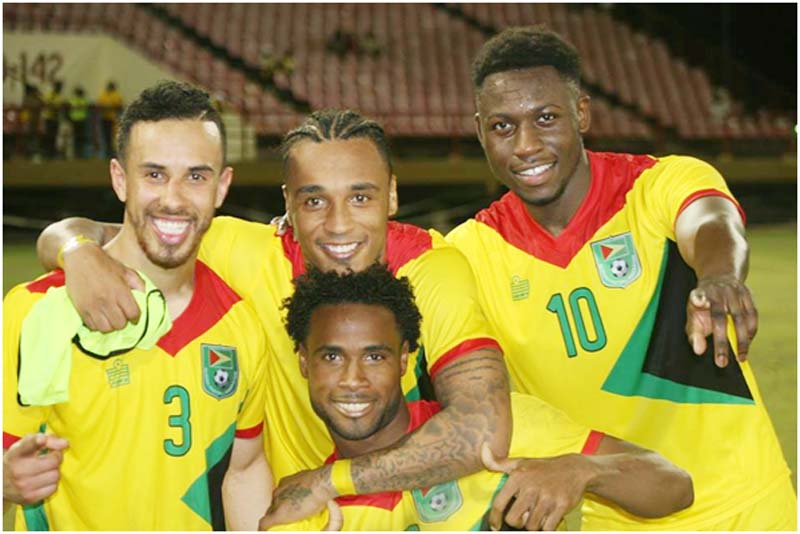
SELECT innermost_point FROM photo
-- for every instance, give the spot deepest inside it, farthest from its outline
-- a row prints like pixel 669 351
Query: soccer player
pixel 617 259
pixel 160 438
pixel 354 332
pixel 340 192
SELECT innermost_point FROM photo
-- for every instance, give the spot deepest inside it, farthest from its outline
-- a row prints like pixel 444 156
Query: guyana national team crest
pixel 616 260
pixel 438 502
pixel 220 370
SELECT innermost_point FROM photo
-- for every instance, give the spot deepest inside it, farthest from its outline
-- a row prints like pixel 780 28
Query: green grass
pixel 773 281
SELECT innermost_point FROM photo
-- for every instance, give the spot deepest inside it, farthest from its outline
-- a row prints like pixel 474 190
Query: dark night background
pixel 760 38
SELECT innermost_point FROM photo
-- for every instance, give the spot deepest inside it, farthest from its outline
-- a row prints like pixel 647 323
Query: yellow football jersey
pixel 593 321
pixel 150 431
pixel 540 431
pixel 261 266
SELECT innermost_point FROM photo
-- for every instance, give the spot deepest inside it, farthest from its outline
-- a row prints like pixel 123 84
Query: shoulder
pixel 240 227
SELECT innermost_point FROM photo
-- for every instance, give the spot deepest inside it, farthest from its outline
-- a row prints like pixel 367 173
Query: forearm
pixel 720 250
pixel 711 239
pixel 57 234
pixel 476 409
pixel 246 495
pixel 642 483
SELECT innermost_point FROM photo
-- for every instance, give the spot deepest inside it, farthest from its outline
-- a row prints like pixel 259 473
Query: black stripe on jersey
pixel 424 382
pixel 669 355
pixel 214 481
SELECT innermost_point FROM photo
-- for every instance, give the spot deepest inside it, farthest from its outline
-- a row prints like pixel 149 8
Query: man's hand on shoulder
pixel 543 489
pixel 707 312
pixel 100 289
pixel 31 468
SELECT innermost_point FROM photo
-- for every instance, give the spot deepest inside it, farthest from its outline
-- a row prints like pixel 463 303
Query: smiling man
pixel 340 192
pixel 625 264
pixel 163 434
pixel 354 333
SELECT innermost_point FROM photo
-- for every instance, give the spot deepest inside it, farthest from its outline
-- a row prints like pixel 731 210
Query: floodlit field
pixel 773 280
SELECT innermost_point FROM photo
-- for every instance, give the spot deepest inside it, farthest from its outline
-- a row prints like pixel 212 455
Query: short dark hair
pixel 337 124
pixel 168 100
pixel 526 47
pixel 374 286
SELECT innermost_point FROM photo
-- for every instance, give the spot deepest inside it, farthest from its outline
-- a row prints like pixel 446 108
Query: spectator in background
pixel 78 115
pixel 110 107
pixel 30 120
pixel 53 114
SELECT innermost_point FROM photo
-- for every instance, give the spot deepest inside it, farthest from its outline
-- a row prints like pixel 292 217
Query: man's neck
pixel 385 437
pixel 177 284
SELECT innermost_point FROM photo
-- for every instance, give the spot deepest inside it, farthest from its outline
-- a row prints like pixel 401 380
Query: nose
pixel 338 219
pixel 527 143
pixel 172 194
pixel 353 376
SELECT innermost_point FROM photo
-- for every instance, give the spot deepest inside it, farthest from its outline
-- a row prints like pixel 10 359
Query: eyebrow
pixel 360 186
pixel 337 348
pixel 159 167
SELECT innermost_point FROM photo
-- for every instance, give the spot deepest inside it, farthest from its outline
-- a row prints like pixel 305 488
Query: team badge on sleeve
pixel 220 370
pixel 616 260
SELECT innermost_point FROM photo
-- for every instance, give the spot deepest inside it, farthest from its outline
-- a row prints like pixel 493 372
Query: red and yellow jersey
pixel 261 266
pixel 540 431
pixel 593 321
pixel 150 431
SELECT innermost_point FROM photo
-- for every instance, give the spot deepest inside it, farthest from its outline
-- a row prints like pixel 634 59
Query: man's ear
pixel 392 195
pixel 478 131
pixel 584 113
pixel 287 205
pixel 118 179
pixel 224 183
pixel 403 358
pixel 303 361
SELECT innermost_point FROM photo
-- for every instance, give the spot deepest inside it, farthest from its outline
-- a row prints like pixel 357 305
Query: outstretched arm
pixel 473 391
pixel 247 485
pixel 98 285
pixel 710 237
pixel 544 490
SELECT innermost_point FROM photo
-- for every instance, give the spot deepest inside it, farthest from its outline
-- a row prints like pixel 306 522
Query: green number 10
pixel 578 296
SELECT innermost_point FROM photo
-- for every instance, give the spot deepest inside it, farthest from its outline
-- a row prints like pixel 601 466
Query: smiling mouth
pixel 340 250
pixel 353 409
pixel 535 175
pixel 171 231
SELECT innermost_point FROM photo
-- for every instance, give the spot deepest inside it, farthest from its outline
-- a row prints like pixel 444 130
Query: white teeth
pixel 342 249
pixel 354 408
pixel 536 171
pixel 171 227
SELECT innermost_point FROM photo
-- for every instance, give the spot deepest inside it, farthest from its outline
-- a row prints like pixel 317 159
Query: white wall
pixel 78 59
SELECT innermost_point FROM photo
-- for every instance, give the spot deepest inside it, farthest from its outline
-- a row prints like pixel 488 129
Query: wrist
pixel 72 244
pixel 341 478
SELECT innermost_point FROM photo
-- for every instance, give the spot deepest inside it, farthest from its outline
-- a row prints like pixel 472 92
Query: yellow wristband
pixel 341 478
pixel 71 244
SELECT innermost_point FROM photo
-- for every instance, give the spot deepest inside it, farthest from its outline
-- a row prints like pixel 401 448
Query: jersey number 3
pixel 180 421
pixel 581 305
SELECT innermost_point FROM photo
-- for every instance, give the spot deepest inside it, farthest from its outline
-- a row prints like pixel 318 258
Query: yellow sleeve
pixel 17 420
pixel 251 414
pixel 238 251
pixel 541 430
pixel 453 322
pixel 674 182
pixel 310 524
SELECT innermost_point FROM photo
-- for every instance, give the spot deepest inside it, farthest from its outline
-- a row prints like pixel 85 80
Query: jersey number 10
pixel 581 304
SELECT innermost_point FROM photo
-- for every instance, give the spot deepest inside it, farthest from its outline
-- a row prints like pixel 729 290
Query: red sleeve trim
pixel 592 442
pixel 710 193
pixel 41 285
pixel 249 433
pixel 463 348
pixel 9 439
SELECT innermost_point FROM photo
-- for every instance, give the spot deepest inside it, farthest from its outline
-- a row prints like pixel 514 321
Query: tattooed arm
pixel 473 391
